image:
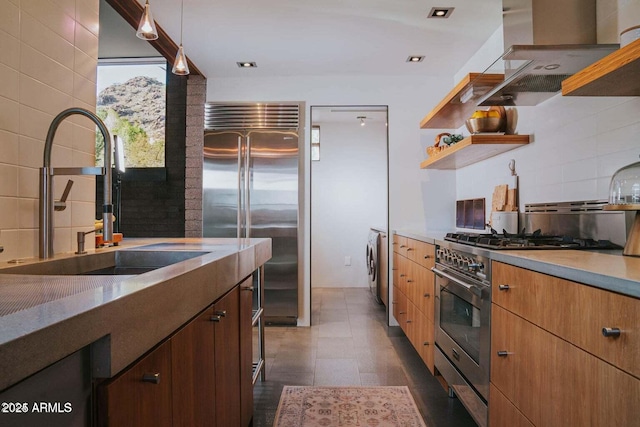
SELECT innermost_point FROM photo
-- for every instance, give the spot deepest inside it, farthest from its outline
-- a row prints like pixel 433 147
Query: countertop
pixel 608 270
pixel 122 317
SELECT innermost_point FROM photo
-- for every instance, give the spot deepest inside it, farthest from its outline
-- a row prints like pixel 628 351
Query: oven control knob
pixel 475 266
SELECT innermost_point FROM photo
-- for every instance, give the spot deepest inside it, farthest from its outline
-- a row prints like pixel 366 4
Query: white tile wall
pixel 48 63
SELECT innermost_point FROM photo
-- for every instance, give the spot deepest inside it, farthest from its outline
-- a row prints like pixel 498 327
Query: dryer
pixel 373 263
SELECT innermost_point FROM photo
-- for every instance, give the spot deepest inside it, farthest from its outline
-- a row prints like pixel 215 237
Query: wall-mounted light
pixel 362 123
pixel 180 66
pixel 147 26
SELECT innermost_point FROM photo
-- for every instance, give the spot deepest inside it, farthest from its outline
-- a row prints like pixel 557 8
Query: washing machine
pixel 373 263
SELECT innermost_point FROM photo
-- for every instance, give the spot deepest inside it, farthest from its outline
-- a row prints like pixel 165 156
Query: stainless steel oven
pixel 463 319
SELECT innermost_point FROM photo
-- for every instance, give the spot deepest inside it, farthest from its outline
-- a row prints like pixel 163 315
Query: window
pixel 315 143
pixel 132 103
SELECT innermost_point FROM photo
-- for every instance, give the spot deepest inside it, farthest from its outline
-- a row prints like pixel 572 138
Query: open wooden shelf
pixel 474 149
pixel 450 113
pixel 617 74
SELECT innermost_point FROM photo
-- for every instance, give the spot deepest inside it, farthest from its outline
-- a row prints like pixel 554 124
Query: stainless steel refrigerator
pixel 251 189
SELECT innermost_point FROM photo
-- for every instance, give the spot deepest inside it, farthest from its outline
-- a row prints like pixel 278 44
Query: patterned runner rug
pixel 347 406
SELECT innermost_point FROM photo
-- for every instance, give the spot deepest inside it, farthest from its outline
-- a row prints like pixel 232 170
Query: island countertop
pixel 49 317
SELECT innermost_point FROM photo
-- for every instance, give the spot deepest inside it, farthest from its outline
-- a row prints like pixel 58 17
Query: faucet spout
pixel 46 205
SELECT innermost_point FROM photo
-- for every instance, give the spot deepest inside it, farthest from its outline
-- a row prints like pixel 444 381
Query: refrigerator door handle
pixel 247 184
pixel 240 206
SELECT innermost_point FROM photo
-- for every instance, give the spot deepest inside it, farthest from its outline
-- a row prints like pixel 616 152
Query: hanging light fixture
pixel 147 27
pixel 180 66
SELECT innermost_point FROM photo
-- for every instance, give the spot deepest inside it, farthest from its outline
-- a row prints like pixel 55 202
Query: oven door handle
pixel 471 288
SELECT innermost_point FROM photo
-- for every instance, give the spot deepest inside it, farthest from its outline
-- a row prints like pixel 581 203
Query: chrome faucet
pixel 47 173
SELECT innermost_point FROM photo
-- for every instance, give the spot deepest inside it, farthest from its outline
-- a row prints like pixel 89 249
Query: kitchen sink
pixel 122 262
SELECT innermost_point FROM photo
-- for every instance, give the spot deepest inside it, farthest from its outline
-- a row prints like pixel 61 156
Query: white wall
pixel 348 196
pixel 418 199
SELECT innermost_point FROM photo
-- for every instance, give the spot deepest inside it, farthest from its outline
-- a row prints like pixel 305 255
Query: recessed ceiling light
pixel 440 12
pixel 246 64
pixel 415 58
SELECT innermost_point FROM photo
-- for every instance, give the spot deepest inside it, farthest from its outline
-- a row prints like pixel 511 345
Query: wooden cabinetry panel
pixel 554 383
pixel 193 373
pixel 128 400
pixel 413 305
pixel 227 360
pixel 574 312
pixel 502 412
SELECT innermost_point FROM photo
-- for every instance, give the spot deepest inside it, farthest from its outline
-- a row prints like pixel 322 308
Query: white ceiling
pixel 319 37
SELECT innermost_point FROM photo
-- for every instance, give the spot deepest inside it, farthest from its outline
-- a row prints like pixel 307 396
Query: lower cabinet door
pixel 141 396
pixel 227 359
pixel 193 373
pixel 502 413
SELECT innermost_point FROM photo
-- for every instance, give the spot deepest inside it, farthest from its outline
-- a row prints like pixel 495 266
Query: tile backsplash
pixel 48 63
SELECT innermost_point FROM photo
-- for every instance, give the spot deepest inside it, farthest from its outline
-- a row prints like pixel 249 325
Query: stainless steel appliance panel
pixel 221 206
pixel 250 184
pixel 272 204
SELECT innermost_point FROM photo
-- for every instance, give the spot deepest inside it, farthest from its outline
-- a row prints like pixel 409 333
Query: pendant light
pixel 180 66
pixel 147 27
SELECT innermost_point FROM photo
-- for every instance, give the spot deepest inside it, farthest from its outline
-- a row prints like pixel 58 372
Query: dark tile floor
pixel 350 344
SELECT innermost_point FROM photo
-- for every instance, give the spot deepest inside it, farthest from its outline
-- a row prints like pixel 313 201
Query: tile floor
pixel 349 344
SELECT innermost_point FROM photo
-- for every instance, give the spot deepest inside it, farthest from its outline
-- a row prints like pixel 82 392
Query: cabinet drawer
pixel 575 312
pixel 554 383
pixel 421 252
pixel 400 244
pixel 420 288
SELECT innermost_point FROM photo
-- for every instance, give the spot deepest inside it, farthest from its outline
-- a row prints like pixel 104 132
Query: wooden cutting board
pixel 499 199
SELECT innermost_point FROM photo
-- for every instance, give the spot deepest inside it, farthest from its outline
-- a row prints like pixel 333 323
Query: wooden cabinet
pixel 141 396
pixel 413 304
pixel 227 359
pixel 549 363
pixel 199 376
pixel 193 372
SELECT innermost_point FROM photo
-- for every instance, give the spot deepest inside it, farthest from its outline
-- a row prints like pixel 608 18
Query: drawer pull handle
pixel 426 343
pixel 409 281
pixel 247 288
pixel 221 313
pixel 402 246
pixel 427 295
pixel 153 378
pixel 611 332
pixel 502 353
pixel 408 321
pixel 394 302
pixel 427 256
pixel 215 318
pixel 504 287
pixel 409 249
pixel 402 275
pixel 402 312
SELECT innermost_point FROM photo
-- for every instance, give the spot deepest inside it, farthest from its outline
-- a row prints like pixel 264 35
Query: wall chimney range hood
pixel 545 41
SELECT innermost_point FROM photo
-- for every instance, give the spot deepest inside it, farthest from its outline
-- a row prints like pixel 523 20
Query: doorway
pixel 349 191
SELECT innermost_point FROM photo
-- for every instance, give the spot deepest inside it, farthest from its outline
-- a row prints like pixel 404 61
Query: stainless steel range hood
pixel 546 41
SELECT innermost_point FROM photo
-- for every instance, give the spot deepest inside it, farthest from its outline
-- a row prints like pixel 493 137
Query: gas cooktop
pixel 535 240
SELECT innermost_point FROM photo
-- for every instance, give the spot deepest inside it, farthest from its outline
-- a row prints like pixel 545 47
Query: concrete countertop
pixel 121 316
pixel 608 270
